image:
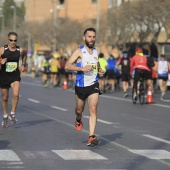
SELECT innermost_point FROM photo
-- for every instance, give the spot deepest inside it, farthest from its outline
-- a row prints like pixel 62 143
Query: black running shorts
pixel 163 78
pixel 110 74
pixel 7 78
pixel 125 77
pixel 84 92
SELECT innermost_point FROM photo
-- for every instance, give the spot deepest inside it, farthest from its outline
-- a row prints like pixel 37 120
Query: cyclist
pixel 139 64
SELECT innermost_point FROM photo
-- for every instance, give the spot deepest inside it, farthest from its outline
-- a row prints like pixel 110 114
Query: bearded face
pixel 89 39
pixel 90 44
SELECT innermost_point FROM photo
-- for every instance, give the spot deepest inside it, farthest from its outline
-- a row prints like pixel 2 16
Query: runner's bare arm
pixel 76 57
pixel 24 59
pixel 2 61
pixel 169 67
pixel 100 71
pixel 24 56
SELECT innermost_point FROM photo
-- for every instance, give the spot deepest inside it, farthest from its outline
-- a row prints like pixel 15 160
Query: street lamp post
pixel 29 53
pixel 56 7
pixel 2 21
pixel 2 24
pixel 98 21
pixel 14 18
pixel 55 17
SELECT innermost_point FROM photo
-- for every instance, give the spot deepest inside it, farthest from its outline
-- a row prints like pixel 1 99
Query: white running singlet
pixel 84 79
pixel 162 68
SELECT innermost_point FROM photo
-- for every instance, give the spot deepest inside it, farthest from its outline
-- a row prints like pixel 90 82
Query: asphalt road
pixel 132 137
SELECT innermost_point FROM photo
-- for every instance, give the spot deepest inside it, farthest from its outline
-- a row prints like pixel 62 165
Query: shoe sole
pixel 12 121
pixel 93 142
pixel 79 129
pixel 5 126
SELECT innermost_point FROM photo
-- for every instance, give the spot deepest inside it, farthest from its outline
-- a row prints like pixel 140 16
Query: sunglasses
pixel 12 40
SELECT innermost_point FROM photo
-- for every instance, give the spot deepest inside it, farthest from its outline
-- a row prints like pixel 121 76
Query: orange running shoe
pixel 78 125
pixel 93 140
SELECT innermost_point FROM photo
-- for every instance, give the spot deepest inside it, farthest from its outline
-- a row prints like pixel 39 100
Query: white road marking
pixel 156 138
pixel 32 100
pixel 87 132
pixel 161 105
pixel 59 108
pixel 15 163
pixel 153 154
pixel 8 155
pixel 104 96
pixel 102 121
pixel 78 155
pixel 165 100
pixel 117 98
pixel 16 167
pixel 32 84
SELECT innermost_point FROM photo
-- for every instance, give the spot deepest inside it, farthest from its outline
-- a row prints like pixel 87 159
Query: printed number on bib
pixel 11 66
pixel 94 66
pixel 94 69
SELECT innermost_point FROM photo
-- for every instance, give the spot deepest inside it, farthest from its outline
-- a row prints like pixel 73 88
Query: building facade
pixel 40 10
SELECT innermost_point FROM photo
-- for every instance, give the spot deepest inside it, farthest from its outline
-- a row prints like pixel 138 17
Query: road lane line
pixel 156 138
pixel 153 154
pixel 15 163
pixel 16 167
pixel 165 100
pixel 32 84
pixel 59 108
pixel 102 121
pixel 117 98
pixel 103 96
pixel 161 105
pixel 79 155
pixel 32 100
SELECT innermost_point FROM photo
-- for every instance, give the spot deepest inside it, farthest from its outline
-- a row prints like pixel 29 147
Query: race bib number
pixel 94 66
pixel 11 66
pixel 94 69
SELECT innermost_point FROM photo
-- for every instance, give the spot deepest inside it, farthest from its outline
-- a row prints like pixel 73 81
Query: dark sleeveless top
pixel 12 57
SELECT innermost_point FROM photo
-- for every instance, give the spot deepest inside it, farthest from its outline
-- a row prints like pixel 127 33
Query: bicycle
pixel 140 92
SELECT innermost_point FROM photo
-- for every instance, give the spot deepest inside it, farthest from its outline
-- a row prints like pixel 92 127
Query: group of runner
pixel 125 71
pixel 52 70
pixel 118 72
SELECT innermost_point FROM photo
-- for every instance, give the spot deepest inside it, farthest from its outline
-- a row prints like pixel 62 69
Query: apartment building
pixel 40 10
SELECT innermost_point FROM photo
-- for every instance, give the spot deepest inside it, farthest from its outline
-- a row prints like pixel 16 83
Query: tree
pixel 139 22
pixel 8 13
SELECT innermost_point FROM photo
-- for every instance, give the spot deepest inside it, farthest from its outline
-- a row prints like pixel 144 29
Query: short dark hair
pixel 163 56
pixel 12 33
pixel 101 55
pixel 125 52
pixel 89 29
pixel 145 52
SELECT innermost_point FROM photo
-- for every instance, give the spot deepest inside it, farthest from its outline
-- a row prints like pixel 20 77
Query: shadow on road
pixel 4 144
pixel 108 138
pixel 32 123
